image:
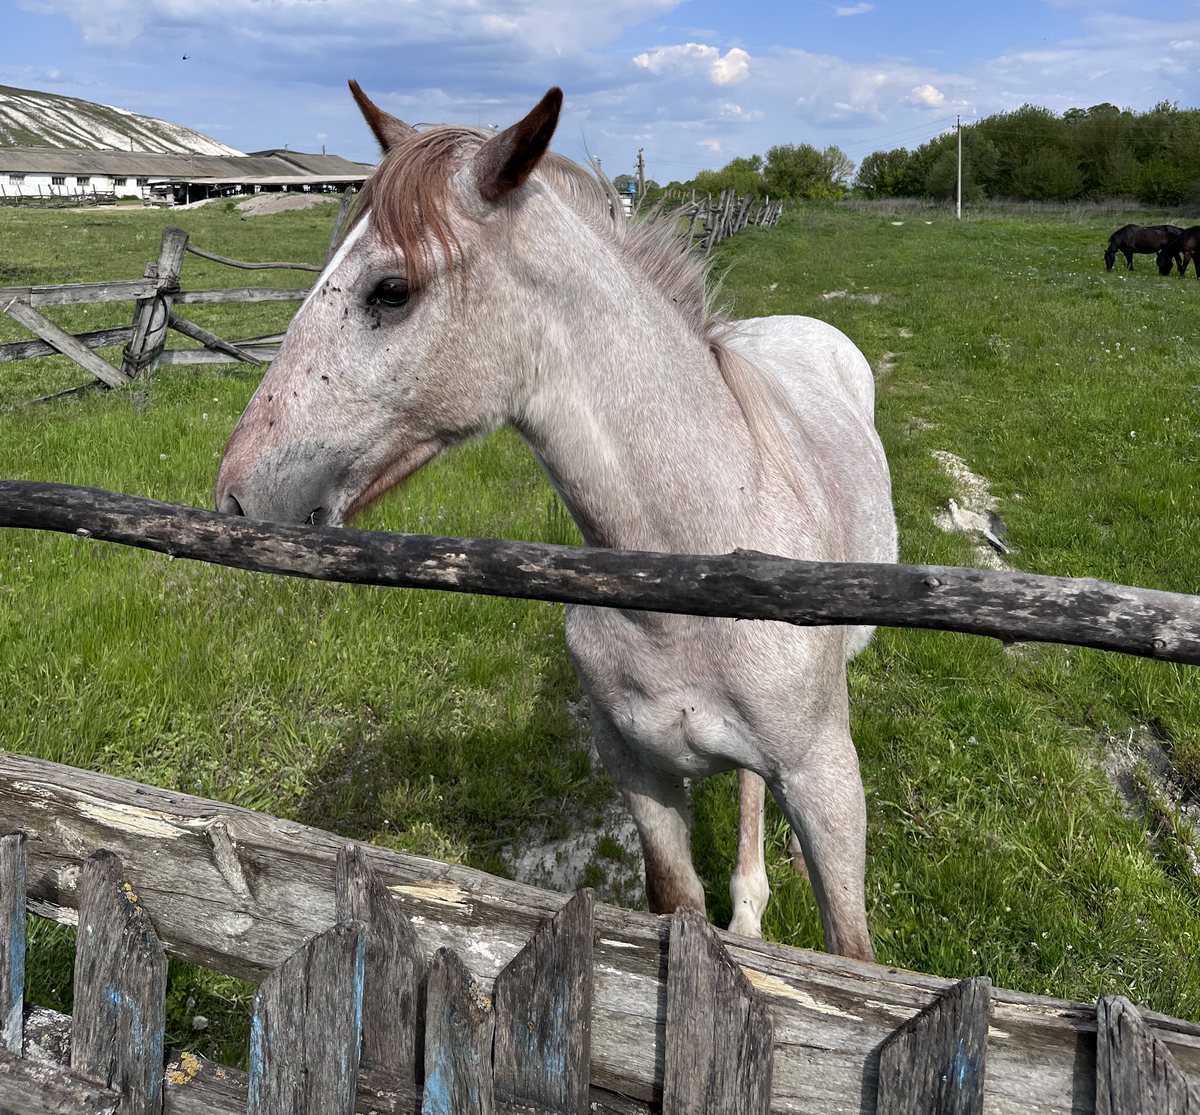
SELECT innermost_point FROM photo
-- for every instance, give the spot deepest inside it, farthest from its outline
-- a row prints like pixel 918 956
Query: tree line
pixel 1031 154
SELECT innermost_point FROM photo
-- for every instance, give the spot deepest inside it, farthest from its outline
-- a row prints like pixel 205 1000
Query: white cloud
pixel 927 96
pixel 857 9
pixel 692 58
pixel 731 69
pixel 727 110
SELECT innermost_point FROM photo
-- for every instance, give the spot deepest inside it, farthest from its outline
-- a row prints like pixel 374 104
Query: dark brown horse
pixel 1142 239
pixel 1179 250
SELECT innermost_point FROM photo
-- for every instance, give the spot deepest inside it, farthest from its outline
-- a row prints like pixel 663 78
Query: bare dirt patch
pixel 972 511
pixel 263 204
pixel 1139 768
pixel 871 299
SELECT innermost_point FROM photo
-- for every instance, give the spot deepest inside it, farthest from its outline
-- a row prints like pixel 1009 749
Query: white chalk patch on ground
pixel 261 204
pixel 886 365
pixel 567 864
pixel 1138 768
pixel 970 510
pixel 873 299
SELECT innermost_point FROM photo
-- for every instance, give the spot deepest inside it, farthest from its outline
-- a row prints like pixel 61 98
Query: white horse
pixel 487 282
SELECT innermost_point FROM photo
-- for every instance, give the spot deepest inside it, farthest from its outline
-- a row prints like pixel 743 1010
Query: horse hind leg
pixel 749 887
pixel 658 804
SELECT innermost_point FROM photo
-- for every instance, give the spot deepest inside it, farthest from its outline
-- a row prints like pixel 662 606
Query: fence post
pixel 307 1026
pixel 119 1013
pixel 720 1041
pixel 394 973
pixel 12 941
pixel 543 1002
pixel 459 1031
pixel 335 233
pixel 151 316
pixel 1135 1073
pixel 934 1063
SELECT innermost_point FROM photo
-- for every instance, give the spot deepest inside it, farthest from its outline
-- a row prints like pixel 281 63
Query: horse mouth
pixel 394 472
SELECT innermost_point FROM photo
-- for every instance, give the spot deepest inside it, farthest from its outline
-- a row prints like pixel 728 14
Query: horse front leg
pixel 1128 258
pixel 658 803
pixel 823 801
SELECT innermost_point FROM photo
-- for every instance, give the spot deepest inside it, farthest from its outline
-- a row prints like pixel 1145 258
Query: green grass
pixel 448 725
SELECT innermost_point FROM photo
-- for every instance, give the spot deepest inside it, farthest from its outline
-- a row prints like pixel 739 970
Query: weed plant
pixel 448 725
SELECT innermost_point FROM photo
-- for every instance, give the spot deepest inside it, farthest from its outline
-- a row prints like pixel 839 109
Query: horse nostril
pixel 230 505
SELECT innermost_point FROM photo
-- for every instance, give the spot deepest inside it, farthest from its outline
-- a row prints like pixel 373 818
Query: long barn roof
pixel 145 164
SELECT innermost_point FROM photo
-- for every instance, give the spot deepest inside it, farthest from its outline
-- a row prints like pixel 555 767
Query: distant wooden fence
pixel 58 197
pixel 157 299
pixel 711 221
pixel 392 984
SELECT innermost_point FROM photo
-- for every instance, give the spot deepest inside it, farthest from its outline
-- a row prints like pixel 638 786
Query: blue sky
pixel 693 82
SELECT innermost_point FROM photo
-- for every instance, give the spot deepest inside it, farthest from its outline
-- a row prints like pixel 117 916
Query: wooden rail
pixel 469 983
pixel 744 585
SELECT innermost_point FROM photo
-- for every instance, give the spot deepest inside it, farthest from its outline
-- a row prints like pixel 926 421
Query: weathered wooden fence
pixel 158 306
pixel 711 221
pixel 393 984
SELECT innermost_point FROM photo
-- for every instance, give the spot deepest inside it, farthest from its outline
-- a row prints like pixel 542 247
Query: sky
pixel 693 83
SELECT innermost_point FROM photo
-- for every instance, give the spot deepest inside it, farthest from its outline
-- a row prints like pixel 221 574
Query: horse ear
pixel 388 130
pixel 508 159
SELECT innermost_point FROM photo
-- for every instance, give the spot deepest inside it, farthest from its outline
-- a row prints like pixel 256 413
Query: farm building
pixel 172 177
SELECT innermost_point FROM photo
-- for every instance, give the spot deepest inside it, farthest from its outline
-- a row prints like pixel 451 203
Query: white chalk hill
pixel 32 119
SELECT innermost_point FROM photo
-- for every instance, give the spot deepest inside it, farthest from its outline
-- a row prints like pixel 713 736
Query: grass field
pixel 450 725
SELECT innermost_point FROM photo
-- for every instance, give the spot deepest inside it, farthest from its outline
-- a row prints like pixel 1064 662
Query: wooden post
pixel 152 315
pixel 12 941
pixel 934 1063
pixel 1135 1074
pixel 719 1055
pixel 543 1001
pixel 335 233
pixel 459 1030
pixel 394 975
pixel 307 1027
pixel 120 990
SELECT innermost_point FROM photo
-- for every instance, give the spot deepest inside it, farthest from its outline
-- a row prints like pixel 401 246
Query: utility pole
pixel 641 174
pixel 958 188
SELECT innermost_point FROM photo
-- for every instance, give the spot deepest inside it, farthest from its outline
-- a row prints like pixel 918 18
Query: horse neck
pixel 628 411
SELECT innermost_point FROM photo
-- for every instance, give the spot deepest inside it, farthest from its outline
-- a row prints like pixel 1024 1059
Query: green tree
pixel 742 175
pixel 1049 174
pixel 800 170
pixel 883 173
pixel 1162 183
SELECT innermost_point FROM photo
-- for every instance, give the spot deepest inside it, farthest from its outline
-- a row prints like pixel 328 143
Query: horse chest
pixel 664 690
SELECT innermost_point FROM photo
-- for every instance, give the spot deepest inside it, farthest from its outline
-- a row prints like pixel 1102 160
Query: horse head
pixel 410 340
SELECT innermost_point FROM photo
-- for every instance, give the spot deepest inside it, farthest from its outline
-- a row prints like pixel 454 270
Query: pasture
pixel 450 726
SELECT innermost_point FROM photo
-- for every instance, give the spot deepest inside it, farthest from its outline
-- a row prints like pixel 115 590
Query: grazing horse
pixel 1180 250
pixel 486 282
pixel 1142 239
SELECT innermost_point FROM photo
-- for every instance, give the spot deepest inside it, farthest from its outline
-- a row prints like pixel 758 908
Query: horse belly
pixel 691 694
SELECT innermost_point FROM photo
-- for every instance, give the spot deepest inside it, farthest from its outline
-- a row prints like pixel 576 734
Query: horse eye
pixel 389 292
